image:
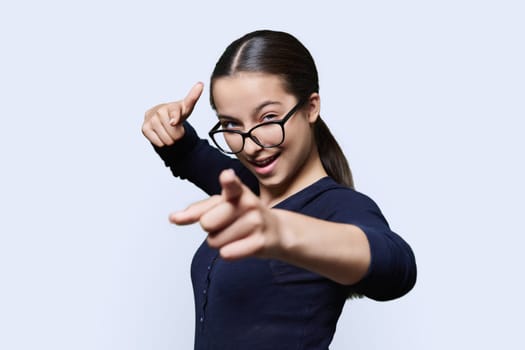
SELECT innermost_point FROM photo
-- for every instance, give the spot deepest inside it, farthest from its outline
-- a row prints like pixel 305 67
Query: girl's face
pixel 248 99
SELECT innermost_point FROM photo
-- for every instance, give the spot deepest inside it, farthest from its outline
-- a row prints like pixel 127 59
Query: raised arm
pixel 180 148
pixel 354 247
pixel 359 248
pixel 196 160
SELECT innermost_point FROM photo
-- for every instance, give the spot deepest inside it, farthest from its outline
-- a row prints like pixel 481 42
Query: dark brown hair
pixel 280 53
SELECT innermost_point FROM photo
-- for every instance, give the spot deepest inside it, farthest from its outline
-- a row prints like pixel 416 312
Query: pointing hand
pixel 163 123
pixel 237 222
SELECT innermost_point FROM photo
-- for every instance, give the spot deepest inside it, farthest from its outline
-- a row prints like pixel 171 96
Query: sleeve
pixel 194 159
pixel 392 272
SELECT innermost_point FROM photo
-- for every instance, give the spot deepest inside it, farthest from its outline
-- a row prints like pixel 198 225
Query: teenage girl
pixel 288 238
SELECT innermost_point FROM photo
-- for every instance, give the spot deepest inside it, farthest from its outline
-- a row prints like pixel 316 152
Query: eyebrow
pixel 256 110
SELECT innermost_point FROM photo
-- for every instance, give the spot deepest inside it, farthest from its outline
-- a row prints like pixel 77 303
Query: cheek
pixel 300 137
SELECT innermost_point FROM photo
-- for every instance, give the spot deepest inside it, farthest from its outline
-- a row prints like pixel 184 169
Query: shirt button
pixel 201 319
pixel 209 267
pixel 204 291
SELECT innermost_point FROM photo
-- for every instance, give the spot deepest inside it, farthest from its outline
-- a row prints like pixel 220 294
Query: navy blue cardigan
pixel 268 304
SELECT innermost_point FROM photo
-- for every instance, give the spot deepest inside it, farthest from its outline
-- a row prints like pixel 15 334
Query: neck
pixel 311 172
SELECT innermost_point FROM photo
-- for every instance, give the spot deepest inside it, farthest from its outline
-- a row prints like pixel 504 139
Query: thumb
pixel 232 187
pixel 191 99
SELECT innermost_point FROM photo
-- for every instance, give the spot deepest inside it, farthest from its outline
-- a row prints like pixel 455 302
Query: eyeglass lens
pixel 265 135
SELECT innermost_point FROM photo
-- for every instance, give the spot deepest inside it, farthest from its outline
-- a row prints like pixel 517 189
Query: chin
pixel 273 182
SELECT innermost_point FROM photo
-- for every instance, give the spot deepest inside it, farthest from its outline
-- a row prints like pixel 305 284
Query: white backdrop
pixel 426 98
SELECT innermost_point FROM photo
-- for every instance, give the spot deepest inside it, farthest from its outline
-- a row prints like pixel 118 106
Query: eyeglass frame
pixel 215 130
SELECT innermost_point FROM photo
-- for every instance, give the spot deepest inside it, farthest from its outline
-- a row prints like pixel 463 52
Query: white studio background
pixel 427 99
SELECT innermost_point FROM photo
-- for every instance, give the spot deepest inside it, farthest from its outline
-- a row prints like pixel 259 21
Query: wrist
pixel 287 241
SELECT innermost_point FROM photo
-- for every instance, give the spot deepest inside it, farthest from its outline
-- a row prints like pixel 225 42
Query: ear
pixel 314 107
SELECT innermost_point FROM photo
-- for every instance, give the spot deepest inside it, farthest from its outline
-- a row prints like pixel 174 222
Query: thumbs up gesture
pixel 237 222
pixel 163 123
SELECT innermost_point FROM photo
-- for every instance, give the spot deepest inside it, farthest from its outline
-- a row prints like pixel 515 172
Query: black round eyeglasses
pixel 267 135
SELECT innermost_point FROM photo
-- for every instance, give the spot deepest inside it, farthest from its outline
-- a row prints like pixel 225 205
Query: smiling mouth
pixel 261 163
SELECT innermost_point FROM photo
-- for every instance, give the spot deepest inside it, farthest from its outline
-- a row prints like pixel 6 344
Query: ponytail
pixel 332 157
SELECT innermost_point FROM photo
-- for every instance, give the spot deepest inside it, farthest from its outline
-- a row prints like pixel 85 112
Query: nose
pixel 250 147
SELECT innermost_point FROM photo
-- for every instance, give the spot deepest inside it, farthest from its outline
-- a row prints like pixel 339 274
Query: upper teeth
pixel 265 161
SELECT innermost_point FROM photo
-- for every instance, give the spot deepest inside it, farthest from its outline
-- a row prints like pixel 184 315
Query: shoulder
pixel 328 200
pixel 328 191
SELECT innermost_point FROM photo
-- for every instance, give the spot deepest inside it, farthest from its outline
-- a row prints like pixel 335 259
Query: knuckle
pixel 174 111
pixel 155 121
pixel 255 219
pixel 150 112
pixel 251 202
pixel 144 129
pixel 206 225
pixel 216 198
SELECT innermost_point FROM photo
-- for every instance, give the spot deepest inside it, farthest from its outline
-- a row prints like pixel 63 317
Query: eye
pixel 229 124
pixel 269 117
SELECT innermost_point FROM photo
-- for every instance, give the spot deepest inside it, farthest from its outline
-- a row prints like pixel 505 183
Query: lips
pixel 261 163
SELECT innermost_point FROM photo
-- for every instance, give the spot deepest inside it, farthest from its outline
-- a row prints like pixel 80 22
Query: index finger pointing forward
pixel 232 187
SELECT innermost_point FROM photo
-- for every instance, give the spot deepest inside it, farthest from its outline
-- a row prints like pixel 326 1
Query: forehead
pixel 245 91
